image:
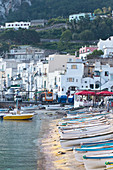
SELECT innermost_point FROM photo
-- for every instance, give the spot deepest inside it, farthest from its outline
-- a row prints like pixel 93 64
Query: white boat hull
pixel 95 164
pixel 79 155
pixel 69 144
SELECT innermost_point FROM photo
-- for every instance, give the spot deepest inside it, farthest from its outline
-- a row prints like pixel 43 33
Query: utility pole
pixel 36 92
pixel 100 76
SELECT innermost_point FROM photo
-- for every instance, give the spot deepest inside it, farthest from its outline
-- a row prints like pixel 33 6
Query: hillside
pixel 17 10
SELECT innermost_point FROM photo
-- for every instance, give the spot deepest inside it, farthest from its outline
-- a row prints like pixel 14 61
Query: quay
pixel 6 104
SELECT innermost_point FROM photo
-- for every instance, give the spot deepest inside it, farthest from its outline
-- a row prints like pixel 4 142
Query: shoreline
pixel 55 157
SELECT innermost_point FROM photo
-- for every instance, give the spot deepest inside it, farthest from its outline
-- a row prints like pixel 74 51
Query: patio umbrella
pixel 105 93
pixel 86 93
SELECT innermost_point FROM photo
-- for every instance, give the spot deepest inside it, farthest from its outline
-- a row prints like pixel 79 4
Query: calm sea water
pixel 19 148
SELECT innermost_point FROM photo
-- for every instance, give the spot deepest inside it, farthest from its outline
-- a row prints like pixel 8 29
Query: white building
pixel 26 53
pixel 106 46
pixel 84 51
pixel 79 16
pixel 57 64
pixel 17 25
pixel 71 79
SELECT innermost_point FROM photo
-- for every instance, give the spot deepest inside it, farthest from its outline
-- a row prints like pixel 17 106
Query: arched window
pixel 97 84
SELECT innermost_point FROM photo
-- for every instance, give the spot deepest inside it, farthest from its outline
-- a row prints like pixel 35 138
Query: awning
pixel 105 93
pixel 86 93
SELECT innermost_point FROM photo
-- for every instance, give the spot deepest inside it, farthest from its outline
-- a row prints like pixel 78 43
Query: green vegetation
pixel 77 34
pixel 11 38
pixel 21 36
pixel 51 33
pixel 95 54
pixel 85 29
pixel 46 9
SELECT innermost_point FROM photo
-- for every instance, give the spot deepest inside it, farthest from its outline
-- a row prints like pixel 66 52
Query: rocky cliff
pixel 7 5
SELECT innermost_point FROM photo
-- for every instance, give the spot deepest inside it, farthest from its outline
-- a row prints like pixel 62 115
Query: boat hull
pixel 94 164
pixel 69 144
pixel 18 117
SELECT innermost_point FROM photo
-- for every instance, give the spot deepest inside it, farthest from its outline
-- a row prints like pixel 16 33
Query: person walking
pixel 108 106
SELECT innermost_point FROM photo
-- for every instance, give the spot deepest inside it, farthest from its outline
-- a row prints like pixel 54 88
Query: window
pixel 97 86
pixel 97 73
pixel 70 60
pixel 86 86
pixel 106 73
pixel 111 76
pixel 85 81
pixel 70 79
pixel 76 80
pixel 91 86
pixel 73 66
pixel 51 58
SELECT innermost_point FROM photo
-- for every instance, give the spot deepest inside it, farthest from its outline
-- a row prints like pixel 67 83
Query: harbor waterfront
pixel 40 144
pixel 20 142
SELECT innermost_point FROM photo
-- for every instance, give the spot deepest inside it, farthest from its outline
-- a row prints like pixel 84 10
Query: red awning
pixel 86 93
pixel 105 93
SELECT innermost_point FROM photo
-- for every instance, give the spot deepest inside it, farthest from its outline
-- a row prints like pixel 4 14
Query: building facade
pixel 17 25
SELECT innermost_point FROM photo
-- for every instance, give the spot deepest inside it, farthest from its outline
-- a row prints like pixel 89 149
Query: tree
pixel 98 11
pixel 86 35
pixel 95 54
pixel 66 36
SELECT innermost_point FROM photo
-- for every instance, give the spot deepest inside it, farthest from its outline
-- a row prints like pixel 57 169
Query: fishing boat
pixel 98 144
pixel 73 134
pixel 84 134
pixel 83 125
pixel 89 144
pixel 70 144
pixel 82 120
pixel 2 110
pixel 29 108
pixel 109 165
pixel 93 162
pixel 53 107
pixel 18 115
pixel 91 151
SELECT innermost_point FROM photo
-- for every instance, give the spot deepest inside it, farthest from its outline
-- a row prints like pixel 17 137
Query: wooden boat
pixel 30 107
pixel 89 144
pixel 83 125
pixel 53 107
pixel 109 143
pixel 100 150
pixel 85 129
pixel 109 165
pixel 70 144
pixel 83 134
pixel 93 162
pixel 82 120
pixel 2 110
pixel 77 116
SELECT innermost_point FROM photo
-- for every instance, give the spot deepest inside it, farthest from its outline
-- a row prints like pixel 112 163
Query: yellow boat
pixel 18 116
